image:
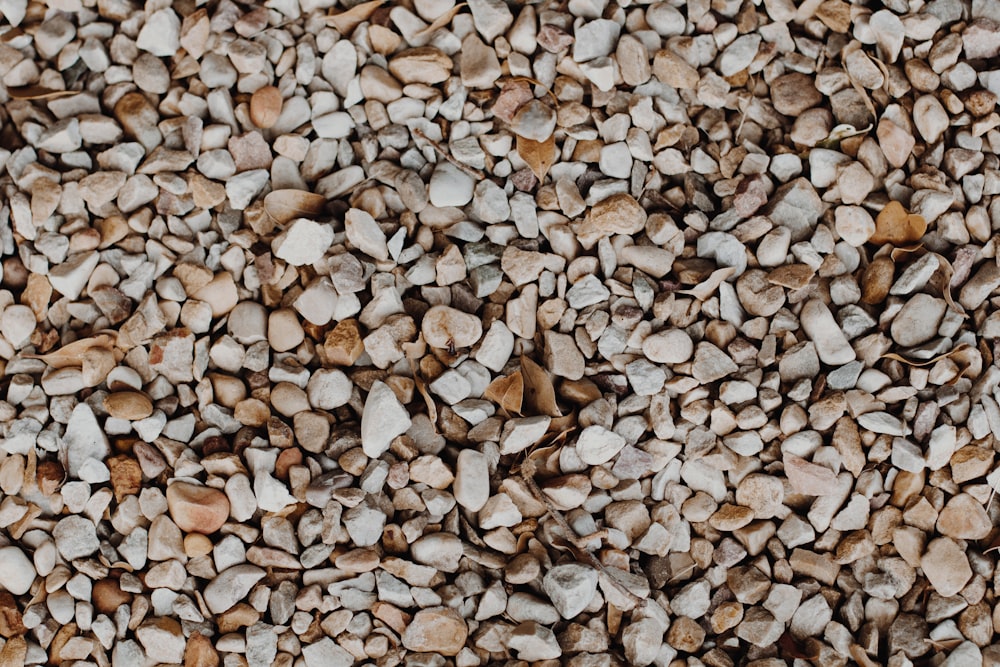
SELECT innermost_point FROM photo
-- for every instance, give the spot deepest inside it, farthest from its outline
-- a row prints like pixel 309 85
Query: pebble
pixel 946 566
pixel 570 587
pixel 304 242
pixel 230 586
pixel 831 344
pixel 384 419
pixel 436 630
pixel 198 509
pixel 450 186
pixel 17 572
pixel 472 480
pixel 918 321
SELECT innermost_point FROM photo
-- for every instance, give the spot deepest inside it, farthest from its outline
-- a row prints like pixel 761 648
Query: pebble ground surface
pixel 571 332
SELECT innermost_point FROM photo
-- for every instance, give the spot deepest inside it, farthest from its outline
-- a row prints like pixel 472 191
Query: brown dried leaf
pixel 440 21
pixel 285 205
pixel 897 226
pixel 72 354
pixel 507 392
pixel 539 394
pixel 540 155
pixel 418 381
pixel 929 362
pixel 942 280
pixel 707 288
pixel 346 22
pixel 39 93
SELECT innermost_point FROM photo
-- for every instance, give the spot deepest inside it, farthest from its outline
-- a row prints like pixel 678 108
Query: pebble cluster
pixel 571 332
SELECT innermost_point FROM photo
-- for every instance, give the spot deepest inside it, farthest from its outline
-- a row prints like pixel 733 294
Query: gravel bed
pixel 434 334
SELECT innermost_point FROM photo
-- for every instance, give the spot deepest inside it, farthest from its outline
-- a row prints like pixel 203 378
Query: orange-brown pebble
pixel 197 509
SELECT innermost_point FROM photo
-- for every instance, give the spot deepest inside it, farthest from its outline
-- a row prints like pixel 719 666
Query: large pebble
pixel 447 327
pixel 17 572
pixel 197 509
pixel 384 419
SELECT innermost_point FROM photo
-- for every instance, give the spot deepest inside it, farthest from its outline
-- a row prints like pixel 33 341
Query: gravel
pixel 490 332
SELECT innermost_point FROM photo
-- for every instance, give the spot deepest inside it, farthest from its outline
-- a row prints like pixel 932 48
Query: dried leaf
pixel 539 394
pixel 942 280
pixel 72 354
pixel 897 254
pixel 440 22
pixel 346 22
pixel 929 362
pixel 418 380
pixel 707 288
pixel 285 205
pixel 507 392
pixel 39 93
pixel 897 226
pixel 540 155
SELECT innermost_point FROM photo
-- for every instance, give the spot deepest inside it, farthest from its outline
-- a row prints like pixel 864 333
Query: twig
pixel 475 173
pixel 528 475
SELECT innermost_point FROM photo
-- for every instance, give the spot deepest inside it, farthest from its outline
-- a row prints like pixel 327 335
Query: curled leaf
pixel 346 22
pixel 897 226
pixel 72 354
pixel 421 386
pixel 507 392
pixel 285 205
pixel 540 155
pixel 539 394
pixel 440 21
pixel 38 93
pixel 707 287
pixel 841 132
pixel 929 362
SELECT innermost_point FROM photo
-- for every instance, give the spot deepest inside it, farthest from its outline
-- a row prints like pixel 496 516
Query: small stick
pixel 527 474
pixel 475 173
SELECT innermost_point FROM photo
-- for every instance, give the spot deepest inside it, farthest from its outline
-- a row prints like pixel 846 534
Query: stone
pixel 303 242
pixel 570 587
pixel 17 572
pixel 230 586
pixel 197 509
pixel 668 347
pixel 76 537
pixel 618 214
pixel 597 445
pixel 791 94
pixel 450 328
pixel 450 186
pixel 84 440
pixel 946 566
pixel 436 630
pixel 472 480
pixel 831 344
pixel 918 321
pixel 384 419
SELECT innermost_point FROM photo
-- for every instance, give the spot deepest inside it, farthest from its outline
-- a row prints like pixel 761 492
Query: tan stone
pixel 436 630
pixel 197 509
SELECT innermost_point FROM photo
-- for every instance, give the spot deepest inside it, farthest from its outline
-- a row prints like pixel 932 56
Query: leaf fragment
pixel 39 93
pixel 440 21
pixel 72 354
pixel 898 226
pixel 539 155
pixel 507 392
pixel 539 393
pixel 283 206
pixel 346 22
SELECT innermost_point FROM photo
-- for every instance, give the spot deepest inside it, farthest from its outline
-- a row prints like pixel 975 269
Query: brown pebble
pixel 265 106
pixel 130 405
